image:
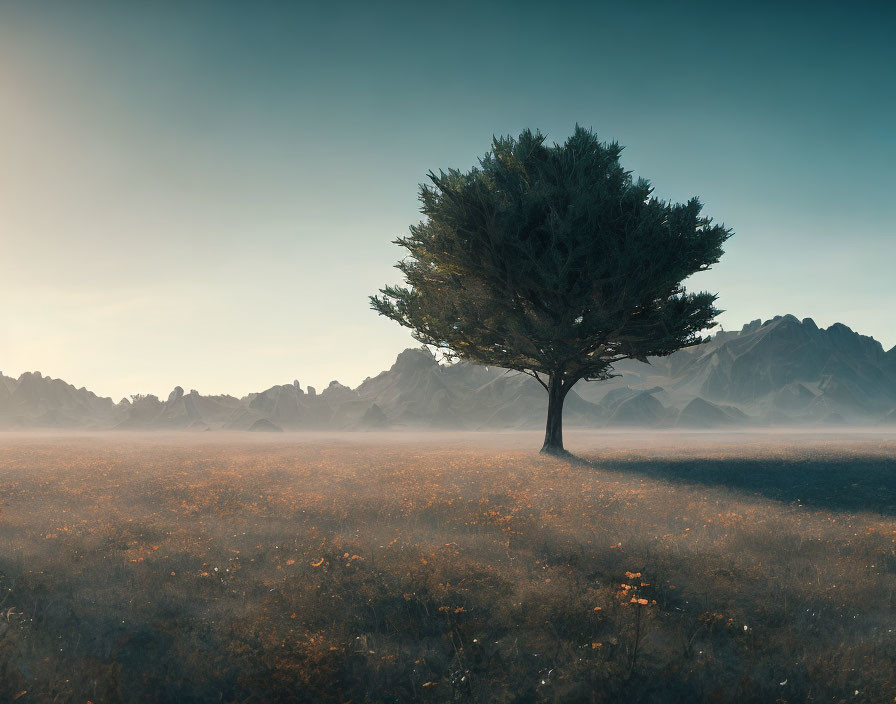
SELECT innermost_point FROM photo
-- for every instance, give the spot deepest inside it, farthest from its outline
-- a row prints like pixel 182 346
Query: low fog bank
pixel 577 440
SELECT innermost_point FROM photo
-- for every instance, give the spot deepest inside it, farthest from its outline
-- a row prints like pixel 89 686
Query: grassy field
pixel 452 568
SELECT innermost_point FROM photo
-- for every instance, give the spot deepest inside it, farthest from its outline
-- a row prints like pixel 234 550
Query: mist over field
pixel 777 373
pixel 446 567
pixel 485 352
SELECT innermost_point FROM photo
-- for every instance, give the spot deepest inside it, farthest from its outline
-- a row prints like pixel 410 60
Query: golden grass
pixel 679 567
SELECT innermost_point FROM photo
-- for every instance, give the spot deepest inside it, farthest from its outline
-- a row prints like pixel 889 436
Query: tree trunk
pixel 553 434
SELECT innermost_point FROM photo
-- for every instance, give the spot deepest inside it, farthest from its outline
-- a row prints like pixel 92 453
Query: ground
pixel 660 567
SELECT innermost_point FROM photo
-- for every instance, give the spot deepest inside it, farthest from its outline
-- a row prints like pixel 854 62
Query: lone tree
pixel 553 261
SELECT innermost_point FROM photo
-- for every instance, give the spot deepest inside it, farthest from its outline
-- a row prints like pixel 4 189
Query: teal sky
pixel 204 194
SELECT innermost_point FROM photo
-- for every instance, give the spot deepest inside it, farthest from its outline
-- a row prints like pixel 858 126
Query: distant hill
pixel 781 371
pixel 34 400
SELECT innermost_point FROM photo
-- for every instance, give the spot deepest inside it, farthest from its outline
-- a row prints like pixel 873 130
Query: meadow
pixel 659 567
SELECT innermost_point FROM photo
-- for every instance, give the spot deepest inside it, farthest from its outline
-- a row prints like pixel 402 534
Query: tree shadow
pixel 849 484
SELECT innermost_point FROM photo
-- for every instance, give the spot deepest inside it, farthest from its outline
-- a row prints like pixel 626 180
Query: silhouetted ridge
pixel 700 413
pixel 641 408
pixel 413 359
pixel 782 370
pixel 34 400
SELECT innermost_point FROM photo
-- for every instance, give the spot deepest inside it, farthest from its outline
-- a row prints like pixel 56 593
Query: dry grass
pixel 679 568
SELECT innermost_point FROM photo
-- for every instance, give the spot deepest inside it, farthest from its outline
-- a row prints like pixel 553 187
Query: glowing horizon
pixel 206 197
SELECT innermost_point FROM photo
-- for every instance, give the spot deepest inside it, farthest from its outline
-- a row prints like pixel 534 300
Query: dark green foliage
pixel 553 261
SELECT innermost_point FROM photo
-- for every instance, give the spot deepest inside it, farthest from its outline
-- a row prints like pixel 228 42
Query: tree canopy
pixel 554 261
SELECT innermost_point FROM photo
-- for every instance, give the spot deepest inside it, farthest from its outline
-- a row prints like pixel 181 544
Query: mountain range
pixel 783 371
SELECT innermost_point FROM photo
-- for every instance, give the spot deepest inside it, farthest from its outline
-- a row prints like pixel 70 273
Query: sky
pixel 204 194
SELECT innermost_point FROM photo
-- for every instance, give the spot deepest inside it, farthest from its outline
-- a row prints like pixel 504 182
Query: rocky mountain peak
pixel 782 370
pixel 414 358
